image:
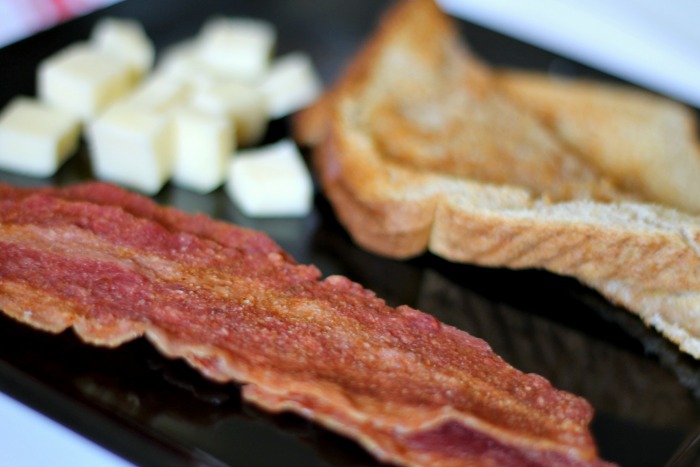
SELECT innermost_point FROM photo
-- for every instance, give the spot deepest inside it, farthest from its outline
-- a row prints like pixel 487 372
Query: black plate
pixel 155 411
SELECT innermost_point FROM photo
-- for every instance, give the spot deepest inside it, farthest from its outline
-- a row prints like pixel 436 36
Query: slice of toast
pixel 422 146
pixel 645 143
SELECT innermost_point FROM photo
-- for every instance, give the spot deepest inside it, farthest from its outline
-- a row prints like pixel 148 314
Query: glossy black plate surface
pixel 154 411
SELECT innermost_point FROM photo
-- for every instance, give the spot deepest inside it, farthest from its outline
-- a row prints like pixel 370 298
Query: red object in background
pixel 21 18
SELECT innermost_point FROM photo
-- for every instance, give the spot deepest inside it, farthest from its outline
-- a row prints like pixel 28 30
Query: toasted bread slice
pixel 421 146
pixel 645 143
pixel 417 88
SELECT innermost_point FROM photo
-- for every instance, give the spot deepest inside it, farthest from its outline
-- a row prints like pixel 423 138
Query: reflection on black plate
pixel 152 410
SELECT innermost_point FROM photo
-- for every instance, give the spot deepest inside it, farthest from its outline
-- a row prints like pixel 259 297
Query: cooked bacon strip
pixel 115 266
pixel 170 218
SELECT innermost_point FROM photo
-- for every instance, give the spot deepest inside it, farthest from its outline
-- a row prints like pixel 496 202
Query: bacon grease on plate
pixel 114 266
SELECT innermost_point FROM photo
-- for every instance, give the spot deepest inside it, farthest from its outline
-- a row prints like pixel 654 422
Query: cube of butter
pixel 132 146
pixel 243 104
pixel 270 181
pixel 182 63
pixel 83 80
pixel 36 139
pixel 178 59
pixel 127 39
pixel 203 145
pixel 240 48
pixel 160 93
pixel 291 84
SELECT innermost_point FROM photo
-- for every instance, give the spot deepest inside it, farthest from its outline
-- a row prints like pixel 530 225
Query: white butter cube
pixel 127 39
pixel 270 181
pixel 83 80
pixel 178 58
pixel 159 93
pixel 243 104
pixel 240 48
pixel 291 84
pixel 182 63
pixel 133 147
pixel 36 139
pixel 203 144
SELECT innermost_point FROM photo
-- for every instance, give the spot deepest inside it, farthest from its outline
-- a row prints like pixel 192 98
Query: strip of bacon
pixel 115 266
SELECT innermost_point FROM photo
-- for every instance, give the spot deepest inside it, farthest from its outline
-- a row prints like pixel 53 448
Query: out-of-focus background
pixel 20 18
pixel 648 42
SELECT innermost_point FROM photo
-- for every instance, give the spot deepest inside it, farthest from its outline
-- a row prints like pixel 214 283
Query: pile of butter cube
pixel 195 118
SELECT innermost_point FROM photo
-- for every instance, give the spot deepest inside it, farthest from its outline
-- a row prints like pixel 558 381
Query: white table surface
pixel 648 42
pixel 30 439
